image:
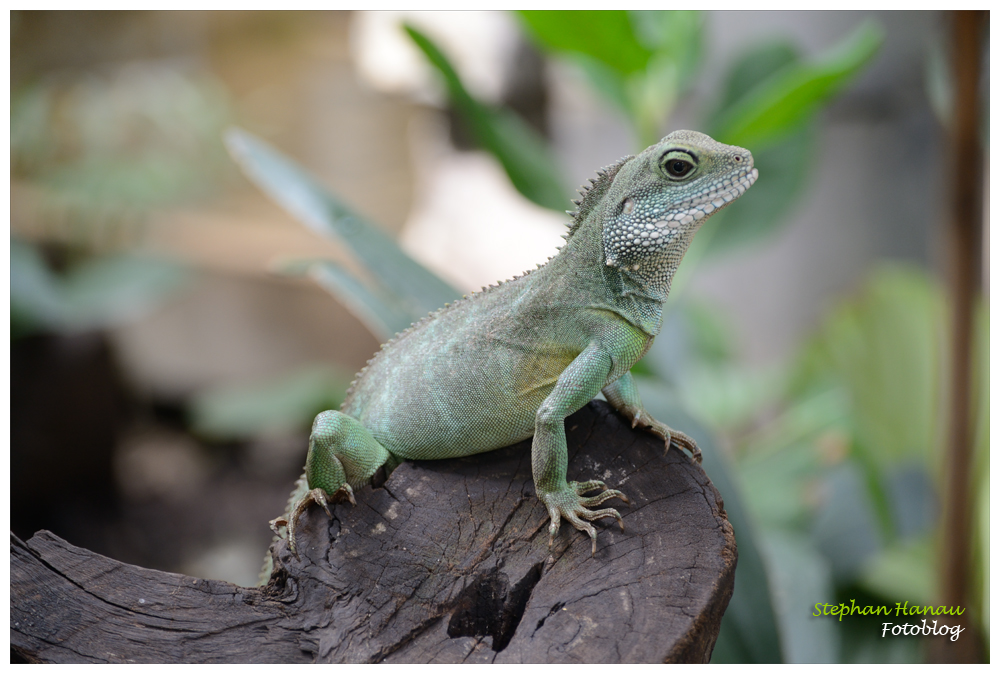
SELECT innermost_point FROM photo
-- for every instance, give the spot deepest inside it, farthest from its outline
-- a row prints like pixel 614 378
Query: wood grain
pixel 447 562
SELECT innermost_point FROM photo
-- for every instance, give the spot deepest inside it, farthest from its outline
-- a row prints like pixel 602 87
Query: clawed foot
pixel 670 436
pixel 573 505
pixel 317 496
pixel 682 441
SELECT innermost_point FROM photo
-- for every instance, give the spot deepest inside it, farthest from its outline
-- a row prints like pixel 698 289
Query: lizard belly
pixel 449 411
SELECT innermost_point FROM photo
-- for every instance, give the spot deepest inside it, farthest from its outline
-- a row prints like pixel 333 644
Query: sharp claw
pixel 577 509
pixel 582 488
pixel 278 522
pixel 317 496
pixel 687 444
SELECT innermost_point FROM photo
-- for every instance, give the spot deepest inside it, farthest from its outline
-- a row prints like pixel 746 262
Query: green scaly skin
pixel 515 360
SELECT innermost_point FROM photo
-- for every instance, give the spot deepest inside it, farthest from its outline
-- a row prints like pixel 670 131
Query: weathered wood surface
pixel 448 562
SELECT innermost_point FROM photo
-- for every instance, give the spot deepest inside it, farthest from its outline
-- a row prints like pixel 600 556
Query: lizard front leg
pixel 576 386
pixel 624 397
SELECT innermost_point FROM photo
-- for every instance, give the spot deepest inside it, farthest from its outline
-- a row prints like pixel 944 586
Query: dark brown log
pixel 447 562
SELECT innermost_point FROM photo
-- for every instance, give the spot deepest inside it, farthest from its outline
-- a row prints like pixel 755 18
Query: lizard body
pixel 515 360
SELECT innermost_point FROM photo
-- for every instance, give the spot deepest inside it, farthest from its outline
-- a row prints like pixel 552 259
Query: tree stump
pixel 448 561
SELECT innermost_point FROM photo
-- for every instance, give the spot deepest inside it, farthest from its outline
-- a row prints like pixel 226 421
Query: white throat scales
pixel 646 227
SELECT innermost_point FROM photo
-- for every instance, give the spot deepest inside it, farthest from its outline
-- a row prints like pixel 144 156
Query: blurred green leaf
pixel 642 369
pixel 755 66
pixel 98 293
pixel 784 168
pixel 652 96
pixel 36 299
pixel 784 163
pixel 676 35
pixel 278 405
pixel 801 577
pixel 394 273
pixel 695 350
pixel 905 571
pixel 524 154
pixel 886 348
pixel 789 97
pixel 608 83
pixel 938 83
pixel 606 36
pixel 638 60
pixel 711 334
pixel 865 388
pixel 118 288
pixel 694 336
pixel 767 104
pixel 846 527
pixel 380 313
pixel 805 418
pixel 526 158
pixel 731 398
pixel 912 500
pixel 780 486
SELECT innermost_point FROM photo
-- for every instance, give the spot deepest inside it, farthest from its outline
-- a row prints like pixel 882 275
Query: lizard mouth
pixel 631 237
pixel 712 199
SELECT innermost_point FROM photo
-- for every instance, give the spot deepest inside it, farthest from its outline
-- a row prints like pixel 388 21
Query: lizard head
pixel 660 198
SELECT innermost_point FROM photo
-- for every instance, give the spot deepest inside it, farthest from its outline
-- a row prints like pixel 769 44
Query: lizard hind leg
pixel 342 454
pixel 342 451
pixel 624 397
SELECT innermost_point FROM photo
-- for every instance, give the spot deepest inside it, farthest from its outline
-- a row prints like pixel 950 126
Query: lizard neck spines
pixel 591 195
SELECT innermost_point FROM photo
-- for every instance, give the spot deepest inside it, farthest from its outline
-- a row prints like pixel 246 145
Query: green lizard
pixel 515 360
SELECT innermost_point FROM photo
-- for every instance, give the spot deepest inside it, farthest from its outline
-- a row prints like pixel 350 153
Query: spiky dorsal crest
pixel 591 194
pixel 422 322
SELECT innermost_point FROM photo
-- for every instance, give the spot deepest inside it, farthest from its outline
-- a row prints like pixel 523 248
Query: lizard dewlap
pixel 515 360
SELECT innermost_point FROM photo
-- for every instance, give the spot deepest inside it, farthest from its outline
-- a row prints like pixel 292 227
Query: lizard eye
pixel 679 168
pixel 678 164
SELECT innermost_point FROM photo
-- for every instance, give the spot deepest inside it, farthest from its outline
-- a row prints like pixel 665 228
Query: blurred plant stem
pixel 965 234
